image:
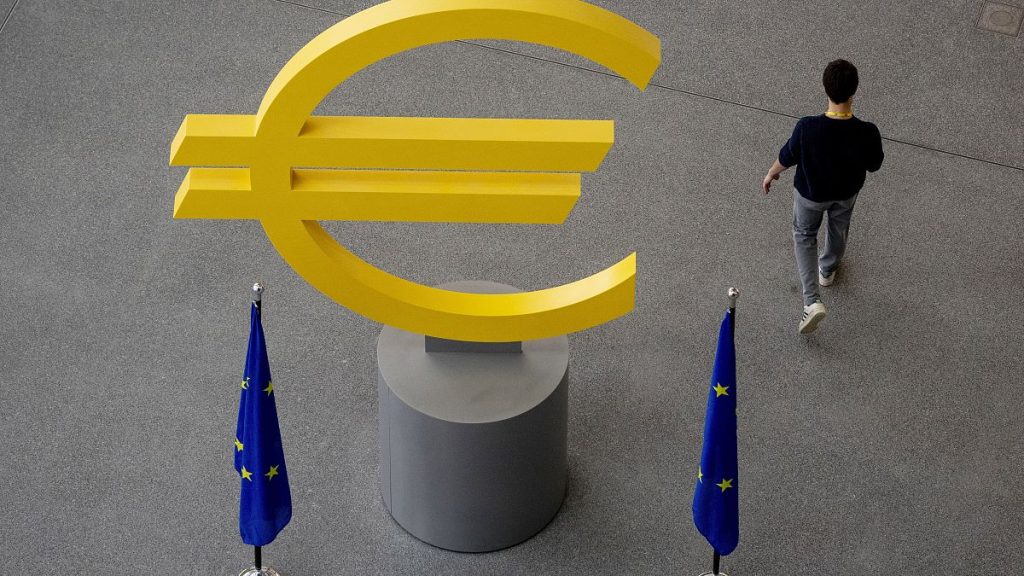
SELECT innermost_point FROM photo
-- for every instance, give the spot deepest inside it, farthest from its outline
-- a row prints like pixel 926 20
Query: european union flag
pixel 266 504
pixel 716 499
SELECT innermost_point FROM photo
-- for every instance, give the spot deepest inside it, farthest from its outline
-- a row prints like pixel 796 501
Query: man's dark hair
pixel 840 80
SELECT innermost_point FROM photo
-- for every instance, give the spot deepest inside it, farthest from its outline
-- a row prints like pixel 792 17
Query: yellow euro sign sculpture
pixel 399 169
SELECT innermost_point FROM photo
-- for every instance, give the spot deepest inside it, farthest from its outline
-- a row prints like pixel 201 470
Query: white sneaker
pixel 826 280
pixel 813 315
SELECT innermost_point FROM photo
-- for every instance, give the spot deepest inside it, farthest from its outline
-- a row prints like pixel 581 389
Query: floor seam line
pixel 8 17
pixel 318 9
pixel 687 92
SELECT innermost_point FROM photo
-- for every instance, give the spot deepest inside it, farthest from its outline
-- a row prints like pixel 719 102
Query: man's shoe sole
pixel 812 323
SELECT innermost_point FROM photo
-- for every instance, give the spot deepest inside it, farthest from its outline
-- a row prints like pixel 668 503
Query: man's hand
pixel 773 174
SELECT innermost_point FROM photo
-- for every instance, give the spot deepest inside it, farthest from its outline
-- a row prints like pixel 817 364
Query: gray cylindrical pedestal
pixel 473 444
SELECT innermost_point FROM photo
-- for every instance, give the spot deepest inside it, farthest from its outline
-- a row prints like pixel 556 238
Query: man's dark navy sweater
pixel 832 156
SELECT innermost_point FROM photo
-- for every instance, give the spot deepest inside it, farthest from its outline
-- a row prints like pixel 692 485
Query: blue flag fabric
pixel 716 497
pixel 266 503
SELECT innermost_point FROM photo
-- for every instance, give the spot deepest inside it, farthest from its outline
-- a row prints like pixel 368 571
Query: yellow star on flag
pixel 238 445
pixel 246 474
pixel 245 383
pixel 721 390
pixel 725 484
pixel 269 388
pixel 273 472
pixel 700 475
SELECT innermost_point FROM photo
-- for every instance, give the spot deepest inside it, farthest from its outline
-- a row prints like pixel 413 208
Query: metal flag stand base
pixel 259 572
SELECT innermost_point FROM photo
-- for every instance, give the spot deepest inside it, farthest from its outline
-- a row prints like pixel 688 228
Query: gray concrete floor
pixel 890 441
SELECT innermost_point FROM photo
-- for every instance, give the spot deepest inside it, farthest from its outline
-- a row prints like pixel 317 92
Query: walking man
pixel 832 153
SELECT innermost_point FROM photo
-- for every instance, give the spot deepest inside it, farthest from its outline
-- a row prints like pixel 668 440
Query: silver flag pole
pixel 733 295
pixel 258 569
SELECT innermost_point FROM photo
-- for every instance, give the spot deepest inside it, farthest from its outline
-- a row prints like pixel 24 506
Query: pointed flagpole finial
pixel 734 294
pixel 257 296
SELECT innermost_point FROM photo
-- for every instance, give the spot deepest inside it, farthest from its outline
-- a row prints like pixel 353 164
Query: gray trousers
pixel 806 221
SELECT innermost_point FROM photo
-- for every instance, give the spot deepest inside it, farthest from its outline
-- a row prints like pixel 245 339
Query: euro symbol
pixel 273 166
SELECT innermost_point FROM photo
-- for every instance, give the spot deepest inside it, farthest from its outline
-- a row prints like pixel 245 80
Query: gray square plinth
pixel 1001 18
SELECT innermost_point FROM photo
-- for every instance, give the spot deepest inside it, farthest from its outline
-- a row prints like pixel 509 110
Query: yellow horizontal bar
pixel 224 136
pixel 396 196
pixel 399 143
